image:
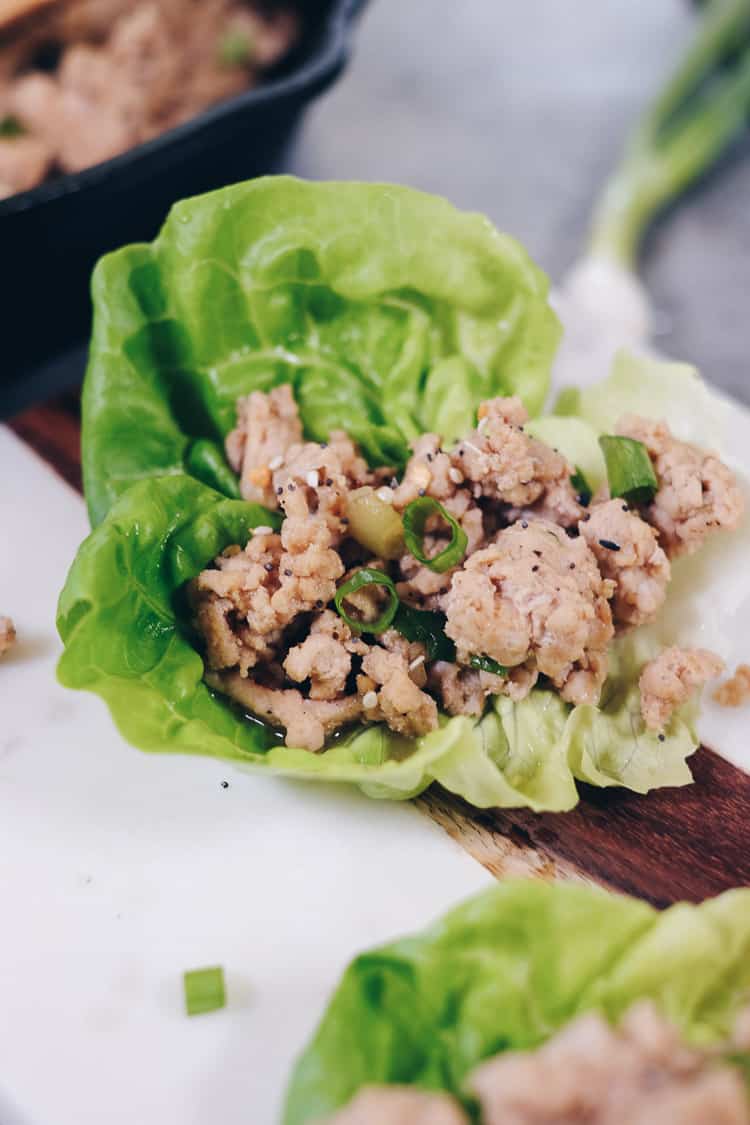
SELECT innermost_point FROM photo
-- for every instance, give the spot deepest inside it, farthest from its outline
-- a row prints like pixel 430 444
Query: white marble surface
pixel 119 870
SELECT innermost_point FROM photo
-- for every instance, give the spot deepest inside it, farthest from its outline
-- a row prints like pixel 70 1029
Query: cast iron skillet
pixel 51 237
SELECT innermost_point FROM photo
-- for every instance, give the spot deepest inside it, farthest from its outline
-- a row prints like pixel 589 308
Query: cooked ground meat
pixel 697 493
pixel 400 1105
pixel 307 722
pixel 398 700
pixel 125 73
pixel 324 657
pixel 628 552
pixel 535 594
pixel 637 1074
pixel 669 681
pixel 267 425
pixel 504 463
pixel 734 692
pixel 7 635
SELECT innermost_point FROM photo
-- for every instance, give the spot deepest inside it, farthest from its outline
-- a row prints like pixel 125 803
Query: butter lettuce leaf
pixel 389 311
pixel 508 968
pixel 126 628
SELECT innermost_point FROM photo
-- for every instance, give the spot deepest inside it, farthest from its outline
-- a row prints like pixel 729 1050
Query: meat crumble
pixel 635 1074
pixel 7 635
pixel 538 586
pixel 83 81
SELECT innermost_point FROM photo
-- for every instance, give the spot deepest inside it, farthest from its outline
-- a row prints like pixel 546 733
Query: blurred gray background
pixel 519 109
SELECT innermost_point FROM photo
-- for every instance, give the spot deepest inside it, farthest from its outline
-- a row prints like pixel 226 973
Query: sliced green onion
pixel 629 470
pixel 206 461
pixel 582 487
pixel 428 628
pixel 235 48
pixel 204 990
pixel 367 576
pixel 415 519
pixel 10 126
pixel 487 664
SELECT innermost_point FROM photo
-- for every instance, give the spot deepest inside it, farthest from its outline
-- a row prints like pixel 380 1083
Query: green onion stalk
pixel 699 113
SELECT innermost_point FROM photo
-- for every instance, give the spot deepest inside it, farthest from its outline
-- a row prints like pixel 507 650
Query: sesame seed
pixel 225 785
pixel 324 445
pixel 385 494
pixel 268 567
pixel 609 544
pixel 369 700
pixel 263 530
pixel 318 603
pixel 535 568
pixel 276 463
pixel 456 476
pixel 345 520
pixel 524 524
pixel 586 518
pixel 662 737
pixel 291 487
pixel 572 566
pixel 461 452
pixel 329 482
pixel 421 492
pixel 394 482
pixel 279 491
pixel 429 456
pixel 416 662
pixel 312 478
pixel 482 424
pixel 288 573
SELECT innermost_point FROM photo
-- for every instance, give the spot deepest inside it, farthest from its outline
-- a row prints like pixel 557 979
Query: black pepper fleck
pixel 535 568
pixel 586 518
pixel 329 482
pixel 609 544
pixel 324 445
pixel 421 492
pixel 524 523
pixel 268 567
pixel 318 603
pixel 460 453
pixel 288 573
pixel 662 737
pixel 429 457
pixel 394 482
pixel 279 491
pixel 538 554
pixel 292 487
pixel 345 520
pixel 625 508
pixel 572 566
pixel 225 785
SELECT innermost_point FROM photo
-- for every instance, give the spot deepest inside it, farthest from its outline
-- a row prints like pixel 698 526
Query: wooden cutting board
pixel 688 843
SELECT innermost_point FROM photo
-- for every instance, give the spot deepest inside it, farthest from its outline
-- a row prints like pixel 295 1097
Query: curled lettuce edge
pixel 508 968
pixel 388 310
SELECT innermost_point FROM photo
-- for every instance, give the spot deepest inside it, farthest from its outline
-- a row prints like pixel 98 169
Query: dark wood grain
pixel 672 844
pixel 54 432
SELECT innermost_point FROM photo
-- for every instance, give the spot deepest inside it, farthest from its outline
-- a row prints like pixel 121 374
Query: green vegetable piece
pixel 354 294
pixel 206 461
pixel 415 520
pixel 235 48
pixel 507 969
pixel 582 487
pixel 374 523
pixel 487 664
pixel 428 627
pixel 204 990
pixel 10 127
pixel 367 576
pixel 629 470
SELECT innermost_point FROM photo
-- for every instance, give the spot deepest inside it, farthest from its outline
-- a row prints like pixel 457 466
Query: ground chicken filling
pixel 515 575
pixel 84 80
pixel 639 1073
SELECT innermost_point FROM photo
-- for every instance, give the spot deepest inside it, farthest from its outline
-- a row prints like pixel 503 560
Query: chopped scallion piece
pixel 204 990
pixel 415 519
pixel 10 126
pixel 487 664
pixel 582 487
pixel 629 470
pixel 235 48
pixel 428 628
pixel 367 576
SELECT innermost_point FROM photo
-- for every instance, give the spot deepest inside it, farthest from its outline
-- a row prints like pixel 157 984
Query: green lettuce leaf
pixel 389 312
pixel 505 971
pixel 127 636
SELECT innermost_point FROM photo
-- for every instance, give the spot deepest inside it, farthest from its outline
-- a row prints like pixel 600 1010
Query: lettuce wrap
pixel 508 968
pixel 390 313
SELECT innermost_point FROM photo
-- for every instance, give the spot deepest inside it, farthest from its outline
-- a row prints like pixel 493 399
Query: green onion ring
pixel 415 520
pixel 630 473
pixel 367 576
